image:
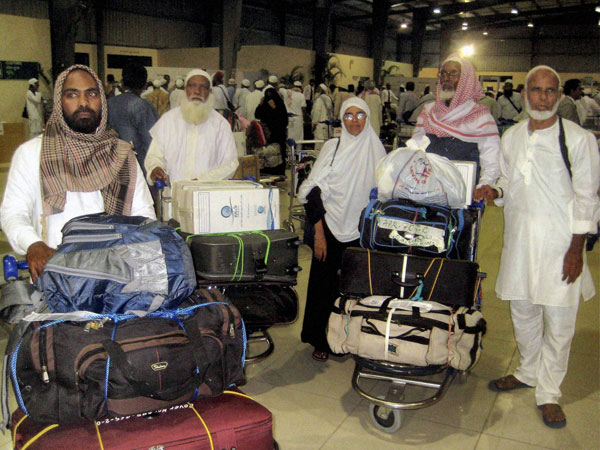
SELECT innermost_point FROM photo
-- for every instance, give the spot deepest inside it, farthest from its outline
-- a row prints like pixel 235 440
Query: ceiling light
pixel 514 11
pixel 437 10
pixel 467 50
pixel 464 28
pixel 597 8
pixel 530 24
pixel 395 5
pixel 403 25
pixel 485 33
pixel 465 24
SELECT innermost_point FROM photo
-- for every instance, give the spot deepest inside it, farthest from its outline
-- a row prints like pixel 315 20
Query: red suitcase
pixel 231 421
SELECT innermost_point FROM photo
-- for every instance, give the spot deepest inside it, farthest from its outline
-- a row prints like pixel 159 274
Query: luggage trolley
pixel 297 161
pixel 385 411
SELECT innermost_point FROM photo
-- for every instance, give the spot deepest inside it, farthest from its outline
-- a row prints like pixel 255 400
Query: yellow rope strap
pixel 436 276
pixel 34 438
pixel 210 440
pixel 98 435
pixel 369 266
pixel 238 393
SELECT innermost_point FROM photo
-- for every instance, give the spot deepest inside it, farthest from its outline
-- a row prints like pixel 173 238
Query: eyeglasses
pixel 359 116
pixel 454 74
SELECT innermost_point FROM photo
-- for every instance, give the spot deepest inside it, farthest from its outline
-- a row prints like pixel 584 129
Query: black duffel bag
pixel 71 371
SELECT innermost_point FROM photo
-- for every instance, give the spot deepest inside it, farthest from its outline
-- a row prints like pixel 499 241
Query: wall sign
pixel 19 70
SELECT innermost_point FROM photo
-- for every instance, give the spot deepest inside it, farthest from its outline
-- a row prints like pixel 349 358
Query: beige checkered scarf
pixel 79 162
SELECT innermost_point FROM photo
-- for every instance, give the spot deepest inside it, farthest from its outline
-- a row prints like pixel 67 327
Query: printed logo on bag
pixel 420 170
pixel 261 209
pixel 161 365
pixel 226 211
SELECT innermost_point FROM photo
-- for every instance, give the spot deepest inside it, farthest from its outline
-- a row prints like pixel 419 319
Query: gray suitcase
pixel 250 256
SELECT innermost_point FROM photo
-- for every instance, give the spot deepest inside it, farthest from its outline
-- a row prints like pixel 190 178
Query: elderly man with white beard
pixel 550 173
pixel 455 126
pixel 192 141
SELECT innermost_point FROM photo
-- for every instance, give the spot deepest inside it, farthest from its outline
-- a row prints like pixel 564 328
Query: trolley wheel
pixel 289 225
pixel 385 419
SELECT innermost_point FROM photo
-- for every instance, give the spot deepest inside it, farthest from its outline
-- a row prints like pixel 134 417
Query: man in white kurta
pixel 371 97
pixel 45 188
pixel 192 141
pixel 543 270
pixel 322 114
pixel 510 102
pixel 239 100
pixel 176 95
pixel 253 99
pixel 35 108
pixel 295 104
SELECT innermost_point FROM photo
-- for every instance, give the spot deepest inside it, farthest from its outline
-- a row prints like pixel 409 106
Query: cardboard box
pixel 233 210
pixel 249 166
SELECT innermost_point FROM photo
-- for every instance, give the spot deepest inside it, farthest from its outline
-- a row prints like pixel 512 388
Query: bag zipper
pixel 43 356
pixel 84 226
pixel 86 273
pixel 78 238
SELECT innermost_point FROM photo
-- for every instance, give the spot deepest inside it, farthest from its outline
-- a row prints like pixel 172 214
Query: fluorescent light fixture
pixel 530 24
pixel 485 33
pixel 464 24
pixel 598 9
pixel 514 11
pixel 467 50
pixel 403 25
pixel 437 11
pixel 395 5
pixel 464 28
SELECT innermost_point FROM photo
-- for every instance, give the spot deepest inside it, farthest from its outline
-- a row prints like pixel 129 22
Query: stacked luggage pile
pixel 410 296
pixel 252 262
pixel 118 333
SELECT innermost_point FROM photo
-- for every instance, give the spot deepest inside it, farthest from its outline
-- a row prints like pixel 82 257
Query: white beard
pixel 446 95
pixel 196 112
pixel 540 115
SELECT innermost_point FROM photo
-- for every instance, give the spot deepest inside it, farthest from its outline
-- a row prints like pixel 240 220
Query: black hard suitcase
pixel 252 256
pixel 263 304
pixel 370 272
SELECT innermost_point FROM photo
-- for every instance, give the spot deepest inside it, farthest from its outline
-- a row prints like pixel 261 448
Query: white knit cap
pixel 194 72
pixel 297 83
pixel 231 82
pixel 259 84
pixel 32 81
pixel 179 82
pixel 157 83
pixel 246 82
pixel 323 87
pixel 273 79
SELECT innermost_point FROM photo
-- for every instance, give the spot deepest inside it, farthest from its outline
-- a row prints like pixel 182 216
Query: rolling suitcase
pixel 249 256
pixel 232 420
pixel 263 304
pixel 370 272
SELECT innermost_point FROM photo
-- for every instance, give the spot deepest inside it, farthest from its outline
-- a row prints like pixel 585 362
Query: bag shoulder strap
pixel 514 106
pixel 564 150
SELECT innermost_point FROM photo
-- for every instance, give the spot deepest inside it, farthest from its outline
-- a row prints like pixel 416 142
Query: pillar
pixel 230 35
pixel 420 17
pixel 63 30
pixel 321 19
pixel 381 9
pixel 100 39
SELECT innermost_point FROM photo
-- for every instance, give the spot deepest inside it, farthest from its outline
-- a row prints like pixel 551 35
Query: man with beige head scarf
pixel 192 141
pixel 78 166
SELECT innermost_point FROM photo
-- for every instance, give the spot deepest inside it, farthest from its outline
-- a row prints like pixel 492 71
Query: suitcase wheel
pixel 385 419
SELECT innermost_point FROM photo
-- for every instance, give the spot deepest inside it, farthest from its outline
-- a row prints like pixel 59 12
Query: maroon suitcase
pixel 234 421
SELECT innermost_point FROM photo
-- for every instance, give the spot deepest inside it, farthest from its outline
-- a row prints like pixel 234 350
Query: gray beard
pixel 446 95
pixel 540 115
pixel 196 112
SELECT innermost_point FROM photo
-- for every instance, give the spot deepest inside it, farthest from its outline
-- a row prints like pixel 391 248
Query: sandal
pixel 320 356
pixel 553 415
pixel 507 383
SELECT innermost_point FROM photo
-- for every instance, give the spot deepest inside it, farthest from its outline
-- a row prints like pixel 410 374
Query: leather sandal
pixel 320 356
pixel 506 384
pixel 553 415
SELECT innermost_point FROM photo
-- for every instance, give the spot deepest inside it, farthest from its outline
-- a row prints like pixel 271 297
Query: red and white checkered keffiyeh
pixel 463 119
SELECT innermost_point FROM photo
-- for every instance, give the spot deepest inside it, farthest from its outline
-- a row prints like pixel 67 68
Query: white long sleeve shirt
pixel 187 152
pixel 21 210
pixel 543 209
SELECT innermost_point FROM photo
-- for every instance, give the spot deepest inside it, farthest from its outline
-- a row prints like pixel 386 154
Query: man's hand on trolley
pixel 485 193
pixel 37 256
pixel 159 173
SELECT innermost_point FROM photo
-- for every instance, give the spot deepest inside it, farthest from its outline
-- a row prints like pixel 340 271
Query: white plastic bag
pixel 419 176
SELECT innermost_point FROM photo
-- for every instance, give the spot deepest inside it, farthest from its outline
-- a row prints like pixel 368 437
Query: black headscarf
pixel 276 118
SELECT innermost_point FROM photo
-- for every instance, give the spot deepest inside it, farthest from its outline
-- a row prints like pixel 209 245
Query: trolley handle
pixel 412 282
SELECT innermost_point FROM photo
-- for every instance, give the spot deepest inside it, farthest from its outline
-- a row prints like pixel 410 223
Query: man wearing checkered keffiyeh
pixel 76 167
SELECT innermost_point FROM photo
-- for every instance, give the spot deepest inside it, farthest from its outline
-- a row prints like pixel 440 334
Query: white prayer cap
pixel 323 87
pixel 32 81
pixel 246 82
pixel 273 79
pixel 194 72
pixel 508 81
pixel 179 82
pixel 259 84
pixel 231 82
pixel 157 83
pixel 297 83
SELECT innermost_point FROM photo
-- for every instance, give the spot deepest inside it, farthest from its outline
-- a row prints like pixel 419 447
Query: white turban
pixel 231 82
pixel 259 84
pixel 273 79
pixel 323 87
pixel 194 72
pixel 159 82
pixel 246 82
pixel 297 84
pixel 179 82
pixel 32 81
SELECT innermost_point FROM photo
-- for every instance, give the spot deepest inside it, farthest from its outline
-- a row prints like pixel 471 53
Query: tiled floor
pixel 315 407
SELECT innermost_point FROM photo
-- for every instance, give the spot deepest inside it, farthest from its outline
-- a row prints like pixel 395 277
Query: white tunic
pixel 252 101
pixel 21 210
pixel 376 116
pixel 508 111
pixel 543 208
pixel 175 98
pixel 294 102
pixel 35 112
pixel 186 151
pixel 221 96
pixel 241 102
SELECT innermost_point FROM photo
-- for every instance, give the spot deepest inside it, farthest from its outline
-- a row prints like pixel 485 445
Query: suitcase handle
pixel 412 282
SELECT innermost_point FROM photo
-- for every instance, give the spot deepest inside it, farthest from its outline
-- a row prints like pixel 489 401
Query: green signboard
pixel 19 70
